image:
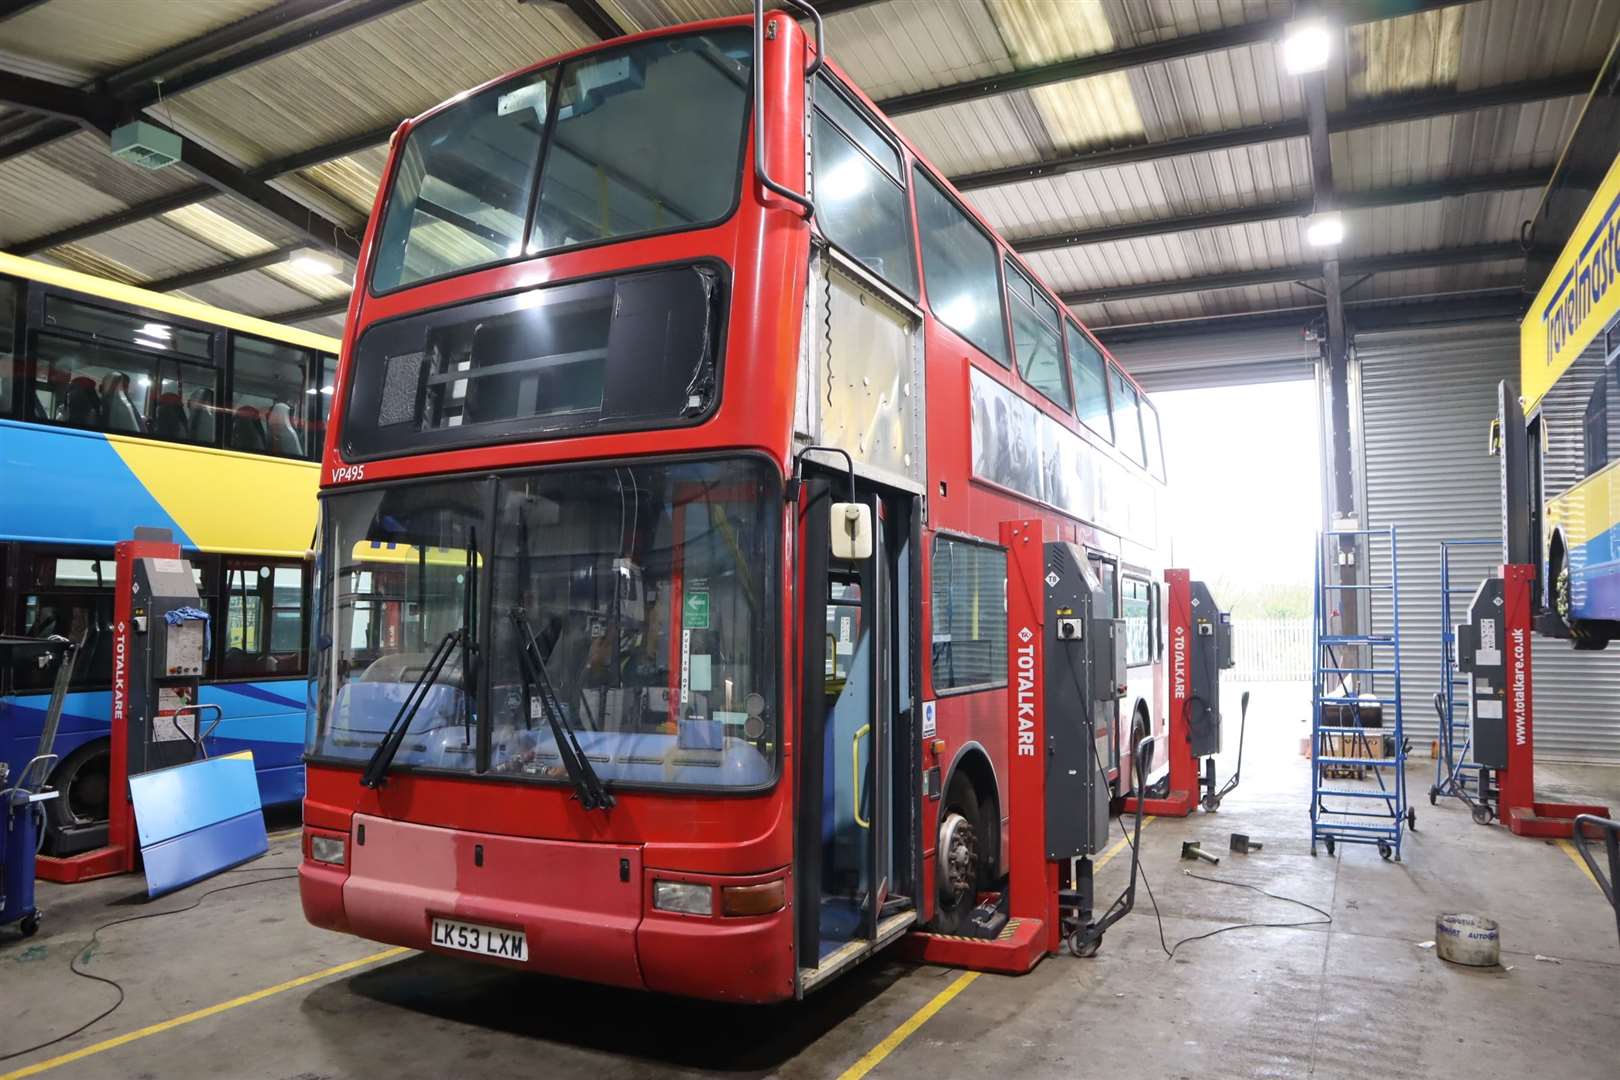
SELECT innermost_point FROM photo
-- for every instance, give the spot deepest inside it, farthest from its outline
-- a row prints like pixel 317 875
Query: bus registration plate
pixel 483 940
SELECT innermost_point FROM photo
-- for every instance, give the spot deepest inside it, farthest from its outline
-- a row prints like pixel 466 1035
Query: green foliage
pixel 1254 600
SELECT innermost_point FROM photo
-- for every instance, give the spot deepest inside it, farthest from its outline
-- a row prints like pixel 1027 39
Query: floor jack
pixel 1200 649
pixel 1067 668
pixel 1494 649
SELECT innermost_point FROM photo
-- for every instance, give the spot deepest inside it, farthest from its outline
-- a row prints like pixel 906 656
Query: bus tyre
pixel 1563 603
pixel 957 858
pixel 81 779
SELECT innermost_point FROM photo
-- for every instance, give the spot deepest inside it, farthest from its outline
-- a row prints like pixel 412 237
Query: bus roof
pixel 34 270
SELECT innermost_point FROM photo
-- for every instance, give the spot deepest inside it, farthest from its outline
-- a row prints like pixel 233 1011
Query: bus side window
pixel 8 331
pixel 1595 427
pixel 263 629
pixel 960 270
pixel 969 613
pixel 70 595
pixel 270 385
pixel 1090 382
pixel 860 190
pixel 1127 421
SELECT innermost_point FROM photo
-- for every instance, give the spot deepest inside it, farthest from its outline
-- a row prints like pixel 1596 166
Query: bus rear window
pixel 634 141
pixel 633 351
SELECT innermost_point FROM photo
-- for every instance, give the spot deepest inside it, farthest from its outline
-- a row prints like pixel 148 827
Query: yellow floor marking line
pixel 1566 845
pixel 903 1032
pixel 921 1016
pixel 203 1014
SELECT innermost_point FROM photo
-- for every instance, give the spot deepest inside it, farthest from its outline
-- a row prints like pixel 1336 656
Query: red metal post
pixel 1516 804
pixel 1183 780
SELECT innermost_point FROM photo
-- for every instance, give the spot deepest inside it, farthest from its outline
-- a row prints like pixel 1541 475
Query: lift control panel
pixel 158 663
pixel 1085 674
pixel 1211 653
pixel 1485 654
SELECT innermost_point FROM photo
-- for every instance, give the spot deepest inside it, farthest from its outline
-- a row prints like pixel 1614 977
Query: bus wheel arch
pixel 81 778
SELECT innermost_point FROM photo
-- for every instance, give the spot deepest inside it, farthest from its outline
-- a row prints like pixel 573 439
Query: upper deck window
pixel 959 268
pixel 1090 383
pixel 859 192
pixel 270 391
pixel 643 139
pixel 1127 422
pixel 1151 438
pixel 1035 337
pixel 112 371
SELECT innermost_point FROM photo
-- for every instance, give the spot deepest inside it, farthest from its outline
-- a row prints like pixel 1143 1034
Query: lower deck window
pixel 969 615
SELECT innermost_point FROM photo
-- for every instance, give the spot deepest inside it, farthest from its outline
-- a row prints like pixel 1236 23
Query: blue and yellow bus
pixel 1569 373
pixel 119 408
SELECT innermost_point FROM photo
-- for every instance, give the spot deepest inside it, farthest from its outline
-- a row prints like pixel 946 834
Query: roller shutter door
pixel 1427 398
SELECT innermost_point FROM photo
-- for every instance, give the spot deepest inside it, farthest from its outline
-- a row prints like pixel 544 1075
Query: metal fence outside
pixel 1271 650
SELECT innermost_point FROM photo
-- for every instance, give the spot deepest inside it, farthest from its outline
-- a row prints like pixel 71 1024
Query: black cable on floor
pixel 1170 950
pixel 73 964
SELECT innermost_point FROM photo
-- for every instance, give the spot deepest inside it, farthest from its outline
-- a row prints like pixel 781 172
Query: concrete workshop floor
pixel 1356 999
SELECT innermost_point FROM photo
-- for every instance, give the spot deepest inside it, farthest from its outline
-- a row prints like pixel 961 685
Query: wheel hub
pixel 958 859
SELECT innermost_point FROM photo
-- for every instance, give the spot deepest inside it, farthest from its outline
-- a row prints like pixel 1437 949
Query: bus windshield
pixel 627 142
pixel 649 591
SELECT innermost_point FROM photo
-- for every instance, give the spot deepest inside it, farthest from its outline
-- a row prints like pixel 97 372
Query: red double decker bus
pixel 661 622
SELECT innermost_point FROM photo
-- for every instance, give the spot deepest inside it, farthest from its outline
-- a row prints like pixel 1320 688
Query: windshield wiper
pixel 383 756
pixel 587 785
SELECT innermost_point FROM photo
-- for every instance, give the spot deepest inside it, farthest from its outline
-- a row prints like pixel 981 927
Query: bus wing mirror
pixel 851 531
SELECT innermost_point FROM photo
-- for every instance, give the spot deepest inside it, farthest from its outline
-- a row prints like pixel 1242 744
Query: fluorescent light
pixel 1324 230
pixel 149 343
pixel 307 262
pixel 1306 47
pixel 157 330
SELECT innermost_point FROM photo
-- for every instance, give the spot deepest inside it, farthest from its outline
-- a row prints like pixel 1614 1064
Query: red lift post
pixel 1183 782
pixel 1057 792
pixel 118 855
pixel 1494 647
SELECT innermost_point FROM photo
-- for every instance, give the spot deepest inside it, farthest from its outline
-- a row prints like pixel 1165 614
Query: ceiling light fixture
pixel 317 265
pixel 1324 230
pixel 1306 47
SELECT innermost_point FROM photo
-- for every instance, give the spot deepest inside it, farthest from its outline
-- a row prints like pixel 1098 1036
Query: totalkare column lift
pixel 1494 650
pixel 156 673
pixel 1066 667
pixel 1200 649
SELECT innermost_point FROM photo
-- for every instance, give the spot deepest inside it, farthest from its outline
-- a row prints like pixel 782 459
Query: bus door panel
pixel 845 816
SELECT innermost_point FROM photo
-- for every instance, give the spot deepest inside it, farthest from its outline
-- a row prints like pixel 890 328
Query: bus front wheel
pixel 1580 634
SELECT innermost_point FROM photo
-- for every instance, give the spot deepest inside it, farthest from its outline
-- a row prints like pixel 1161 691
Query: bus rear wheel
pixel 958 858
pixel 1580 635
pixel 71 818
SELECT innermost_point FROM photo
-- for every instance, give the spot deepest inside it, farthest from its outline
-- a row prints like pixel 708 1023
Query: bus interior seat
pixel 170 420
pixel 283 436
pixel 83 404
pixel 200 415
pixel 117 411
pixel 247 430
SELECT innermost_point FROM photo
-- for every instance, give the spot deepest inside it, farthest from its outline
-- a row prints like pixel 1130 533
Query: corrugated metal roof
pixel 93 37
pixel 401 63
pixel 393 66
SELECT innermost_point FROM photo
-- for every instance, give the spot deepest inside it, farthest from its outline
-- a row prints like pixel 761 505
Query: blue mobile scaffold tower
pixel 1456 774
pixel 1358 745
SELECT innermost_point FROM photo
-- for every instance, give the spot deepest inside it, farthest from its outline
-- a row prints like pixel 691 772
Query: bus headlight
pixel 686 897
pixel 326 849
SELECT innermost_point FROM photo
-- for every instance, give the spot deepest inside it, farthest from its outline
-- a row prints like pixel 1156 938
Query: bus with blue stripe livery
pixel 119 408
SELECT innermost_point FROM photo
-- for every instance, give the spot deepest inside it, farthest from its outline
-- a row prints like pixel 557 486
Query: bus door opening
pixel 857 782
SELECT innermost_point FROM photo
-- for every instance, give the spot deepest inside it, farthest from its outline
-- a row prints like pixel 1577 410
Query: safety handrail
pixel 1609 832
pixel 855 772
pixel 762 171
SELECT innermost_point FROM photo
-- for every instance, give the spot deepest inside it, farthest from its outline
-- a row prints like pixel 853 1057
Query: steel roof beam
pixel 79 108
pixel 595 18
pixel 221 270
pixel 1157 52
pixel 10 8
pixel 323 310
pixel 1504 303
pixel 163 204
pixel 1409 107
pixel 1286 208
pixel 1282 275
